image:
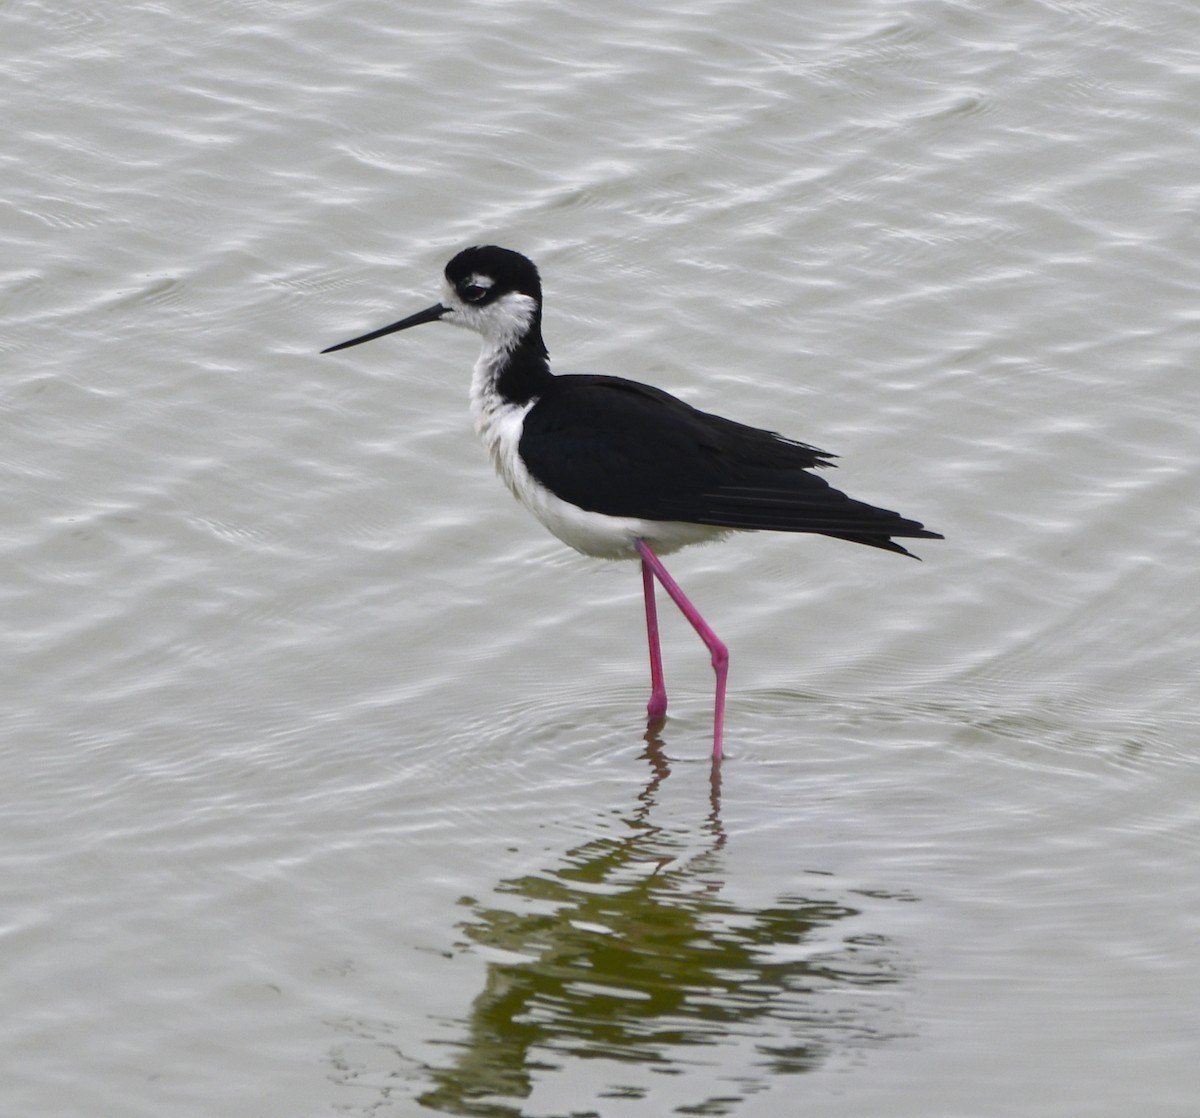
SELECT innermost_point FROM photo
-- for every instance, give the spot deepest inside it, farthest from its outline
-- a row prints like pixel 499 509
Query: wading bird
pixel 622 470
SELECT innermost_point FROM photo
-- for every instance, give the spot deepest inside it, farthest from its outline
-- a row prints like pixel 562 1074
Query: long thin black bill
pixel 429 314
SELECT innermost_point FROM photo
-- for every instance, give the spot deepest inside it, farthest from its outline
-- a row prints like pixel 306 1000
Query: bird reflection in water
pixel 629 953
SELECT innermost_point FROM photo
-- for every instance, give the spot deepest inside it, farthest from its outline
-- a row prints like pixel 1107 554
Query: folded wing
pixel 621 448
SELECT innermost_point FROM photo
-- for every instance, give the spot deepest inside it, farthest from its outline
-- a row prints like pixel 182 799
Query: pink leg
pixel 718 651
pixel 657 708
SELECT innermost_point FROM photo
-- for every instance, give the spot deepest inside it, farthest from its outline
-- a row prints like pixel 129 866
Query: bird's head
pixel 494 291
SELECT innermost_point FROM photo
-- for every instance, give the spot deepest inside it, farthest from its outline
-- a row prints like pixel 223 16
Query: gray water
pixel 327 784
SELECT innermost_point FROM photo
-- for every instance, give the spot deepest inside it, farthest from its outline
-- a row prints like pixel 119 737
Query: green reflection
pixel 628 952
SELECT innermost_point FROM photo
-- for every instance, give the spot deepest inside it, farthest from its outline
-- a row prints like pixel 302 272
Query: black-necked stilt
pixel 622 470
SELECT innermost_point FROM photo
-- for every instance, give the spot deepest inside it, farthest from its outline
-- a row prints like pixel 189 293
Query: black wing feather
pixel 622 448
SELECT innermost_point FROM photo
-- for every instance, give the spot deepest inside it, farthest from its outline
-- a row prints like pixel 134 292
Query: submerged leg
pixel 657 707
pixel 718 651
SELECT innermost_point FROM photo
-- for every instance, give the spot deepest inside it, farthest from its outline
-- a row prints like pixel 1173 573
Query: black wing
pixel 620 448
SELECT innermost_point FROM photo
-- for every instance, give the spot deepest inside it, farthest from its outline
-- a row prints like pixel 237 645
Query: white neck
pixel 497 420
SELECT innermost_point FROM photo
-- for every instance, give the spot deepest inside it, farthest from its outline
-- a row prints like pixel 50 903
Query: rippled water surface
pixel 328 788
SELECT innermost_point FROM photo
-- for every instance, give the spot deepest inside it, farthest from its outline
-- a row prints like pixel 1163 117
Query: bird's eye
pixel 473 292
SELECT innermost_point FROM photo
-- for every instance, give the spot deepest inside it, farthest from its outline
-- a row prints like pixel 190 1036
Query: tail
pixel 886 543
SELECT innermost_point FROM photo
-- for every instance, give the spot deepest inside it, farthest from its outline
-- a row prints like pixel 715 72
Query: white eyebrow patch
pixel 476 280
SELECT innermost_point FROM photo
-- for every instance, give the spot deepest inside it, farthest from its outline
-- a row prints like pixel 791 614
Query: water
pixel 326 788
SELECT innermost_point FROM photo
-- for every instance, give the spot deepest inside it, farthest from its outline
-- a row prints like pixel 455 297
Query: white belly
pixel 610 537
